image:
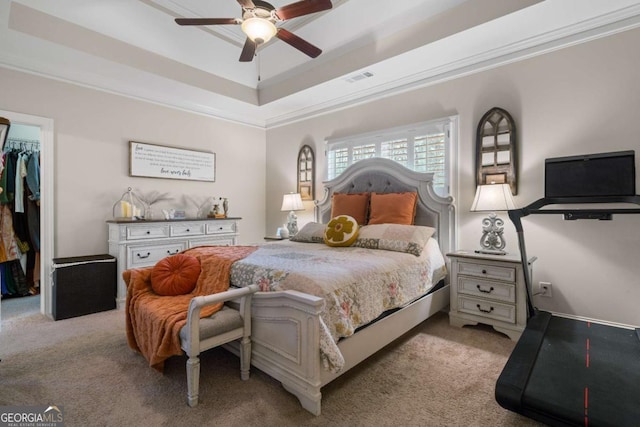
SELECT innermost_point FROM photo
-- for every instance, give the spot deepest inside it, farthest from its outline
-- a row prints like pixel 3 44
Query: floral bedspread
pixel 357 284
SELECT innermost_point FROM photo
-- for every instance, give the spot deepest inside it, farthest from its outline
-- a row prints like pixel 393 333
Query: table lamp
pixel 492 198
pixel 292 202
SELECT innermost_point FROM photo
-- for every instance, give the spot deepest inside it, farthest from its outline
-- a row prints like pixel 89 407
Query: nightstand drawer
pixel 486 308
pixel 221 227
pixel 487 289
pixel 487 271
pixel 192 229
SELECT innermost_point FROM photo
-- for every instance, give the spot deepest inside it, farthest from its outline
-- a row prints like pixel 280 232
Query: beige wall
pixel 92 130
pixel 579 100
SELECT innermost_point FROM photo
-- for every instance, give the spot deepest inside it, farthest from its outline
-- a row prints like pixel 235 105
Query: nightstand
pixel 489 289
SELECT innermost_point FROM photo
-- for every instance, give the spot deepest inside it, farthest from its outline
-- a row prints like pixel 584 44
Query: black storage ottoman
pixel 83 285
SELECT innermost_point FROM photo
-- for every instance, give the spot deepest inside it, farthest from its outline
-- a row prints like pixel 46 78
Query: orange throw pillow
pixel 393 208
pixel 175 275
pixel 354 205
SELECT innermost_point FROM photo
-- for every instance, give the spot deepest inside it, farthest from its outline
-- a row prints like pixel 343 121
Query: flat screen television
pixel 591 175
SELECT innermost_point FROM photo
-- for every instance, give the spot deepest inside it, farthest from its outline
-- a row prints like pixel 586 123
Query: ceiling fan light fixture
pixel 259 30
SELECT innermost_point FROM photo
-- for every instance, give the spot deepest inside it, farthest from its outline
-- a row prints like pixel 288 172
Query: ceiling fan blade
pixel 300 44
pixel 247 4
pixel 304 7
pixel 248 51
pixel 208 21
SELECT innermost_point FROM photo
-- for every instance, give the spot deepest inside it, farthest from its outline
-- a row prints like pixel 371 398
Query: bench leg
pixel 245 357
pixel 193 380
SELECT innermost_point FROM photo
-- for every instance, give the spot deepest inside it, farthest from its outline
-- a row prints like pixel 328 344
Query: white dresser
pixel 143 243
pixel 488 289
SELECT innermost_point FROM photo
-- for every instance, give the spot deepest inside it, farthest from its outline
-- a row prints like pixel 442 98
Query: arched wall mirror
pixel 5 124
pixel 496 155
pixel 306 173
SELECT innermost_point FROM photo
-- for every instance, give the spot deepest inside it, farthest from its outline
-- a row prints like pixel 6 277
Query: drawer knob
pixel 484 291
pixel 143 256
pixel 188 230
pixel 220 228
pixel 484 310
pixel 484 271
pixel 148 232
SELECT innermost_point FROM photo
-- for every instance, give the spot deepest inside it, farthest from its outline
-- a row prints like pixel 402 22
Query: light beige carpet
pixel 436 375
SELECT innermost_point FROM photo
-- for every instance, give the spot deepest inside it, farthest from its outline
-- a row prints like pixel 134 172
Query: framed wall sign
pixel 306 173
pixel 158 161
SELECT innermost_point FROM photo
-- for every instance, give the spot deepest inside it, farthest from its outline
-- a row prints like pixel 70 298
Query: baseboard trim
pixel 588 319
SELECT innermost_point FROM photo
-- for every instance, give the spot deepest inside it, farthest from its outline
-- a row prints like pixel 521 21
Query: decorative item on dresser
pixel 151 198
pixel 489 289
pixel 143 243
pixel 491 198
pixel 129 207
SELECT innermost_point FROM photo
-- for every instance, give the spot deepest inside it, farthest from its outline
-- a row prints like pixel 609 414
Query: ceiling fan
pixel 259 20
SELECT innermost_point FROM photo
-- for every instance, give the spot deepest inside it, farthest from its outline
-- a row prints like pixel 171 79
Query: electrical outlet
pixel 545 289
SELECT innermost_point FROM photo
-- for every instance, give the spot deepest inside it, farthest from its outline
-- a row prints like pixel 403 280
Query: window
pixel 423 147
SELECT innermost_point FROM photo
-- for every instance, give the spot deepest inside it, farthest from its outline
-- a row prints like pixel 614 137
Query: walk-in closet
pixel 20 217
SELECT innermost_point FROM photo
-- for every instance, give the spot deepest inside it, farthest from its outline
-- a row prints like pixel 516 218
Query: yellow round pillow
pixel 341 231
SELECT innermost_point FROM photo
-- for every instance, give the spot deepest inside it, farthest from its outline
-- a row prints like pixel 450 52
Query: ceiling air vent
pixel 358 77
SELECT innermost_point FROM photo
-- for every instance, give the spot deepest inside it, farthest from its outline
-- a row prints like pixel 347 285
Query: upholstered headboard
pixel 387 176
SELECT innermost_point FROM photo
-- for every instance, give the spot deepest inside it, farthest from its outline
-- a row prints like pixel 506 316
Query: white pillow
pixel 410 239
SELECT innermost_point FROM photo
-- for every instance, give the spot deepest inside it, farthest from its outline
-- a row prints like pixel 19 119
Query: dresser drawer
pixel 487 271
pixel 221 227
pixel 213 241
pixel 188 229
pixel 487 289
pixel 144 256
pixel 147 232
pixel 487 308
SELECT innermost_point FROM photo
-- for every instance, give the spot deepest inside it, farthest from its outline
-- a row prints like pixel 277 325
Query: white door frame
pixel 46 202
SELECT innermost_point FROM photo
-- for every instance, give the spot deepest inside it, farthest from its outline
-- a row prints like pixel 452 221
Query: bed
pixel 292 341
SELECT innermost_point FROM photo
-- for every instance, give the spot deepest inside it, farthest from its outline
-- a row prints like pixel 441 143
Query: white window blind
pixel 423 147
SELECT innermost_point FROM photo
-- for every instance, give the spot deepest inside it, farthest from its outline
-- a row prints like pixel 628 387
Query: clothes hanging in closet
pixel 20 219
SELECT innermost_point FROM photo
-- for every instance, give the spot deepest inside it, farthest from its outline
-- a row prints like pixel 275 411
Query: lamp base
pixel 492 242
pixel 490 252
pixel 292 224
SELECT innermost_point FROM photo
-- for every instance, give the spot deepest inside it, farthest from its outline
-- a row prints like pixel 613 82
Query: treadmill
pixel 567 372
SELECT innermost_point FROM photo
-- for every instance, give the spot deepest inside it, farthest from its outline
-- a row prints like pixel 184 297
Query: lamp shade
pixel 493 197
pixel 292 202
pixel 259 30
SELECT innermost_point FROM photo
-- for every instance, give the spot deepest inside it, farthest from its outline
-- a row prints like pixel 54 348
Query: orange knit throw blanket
pixel 154 321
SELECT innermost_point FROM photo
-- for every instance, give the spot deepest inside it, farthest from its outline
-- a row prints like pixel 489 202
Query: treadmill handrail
pixel 535 208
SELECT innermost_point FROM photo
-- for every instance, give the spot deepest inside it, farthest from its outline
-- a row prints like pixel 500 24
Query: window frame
pixel 448 125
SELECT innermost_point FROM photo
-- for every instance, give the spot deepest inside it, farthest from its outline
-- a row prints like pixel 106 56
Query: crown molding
pixel 263 117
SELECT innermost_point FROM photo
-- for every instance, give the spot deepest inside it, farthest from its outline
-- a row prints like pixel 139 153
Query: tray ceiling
pixel 371 48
